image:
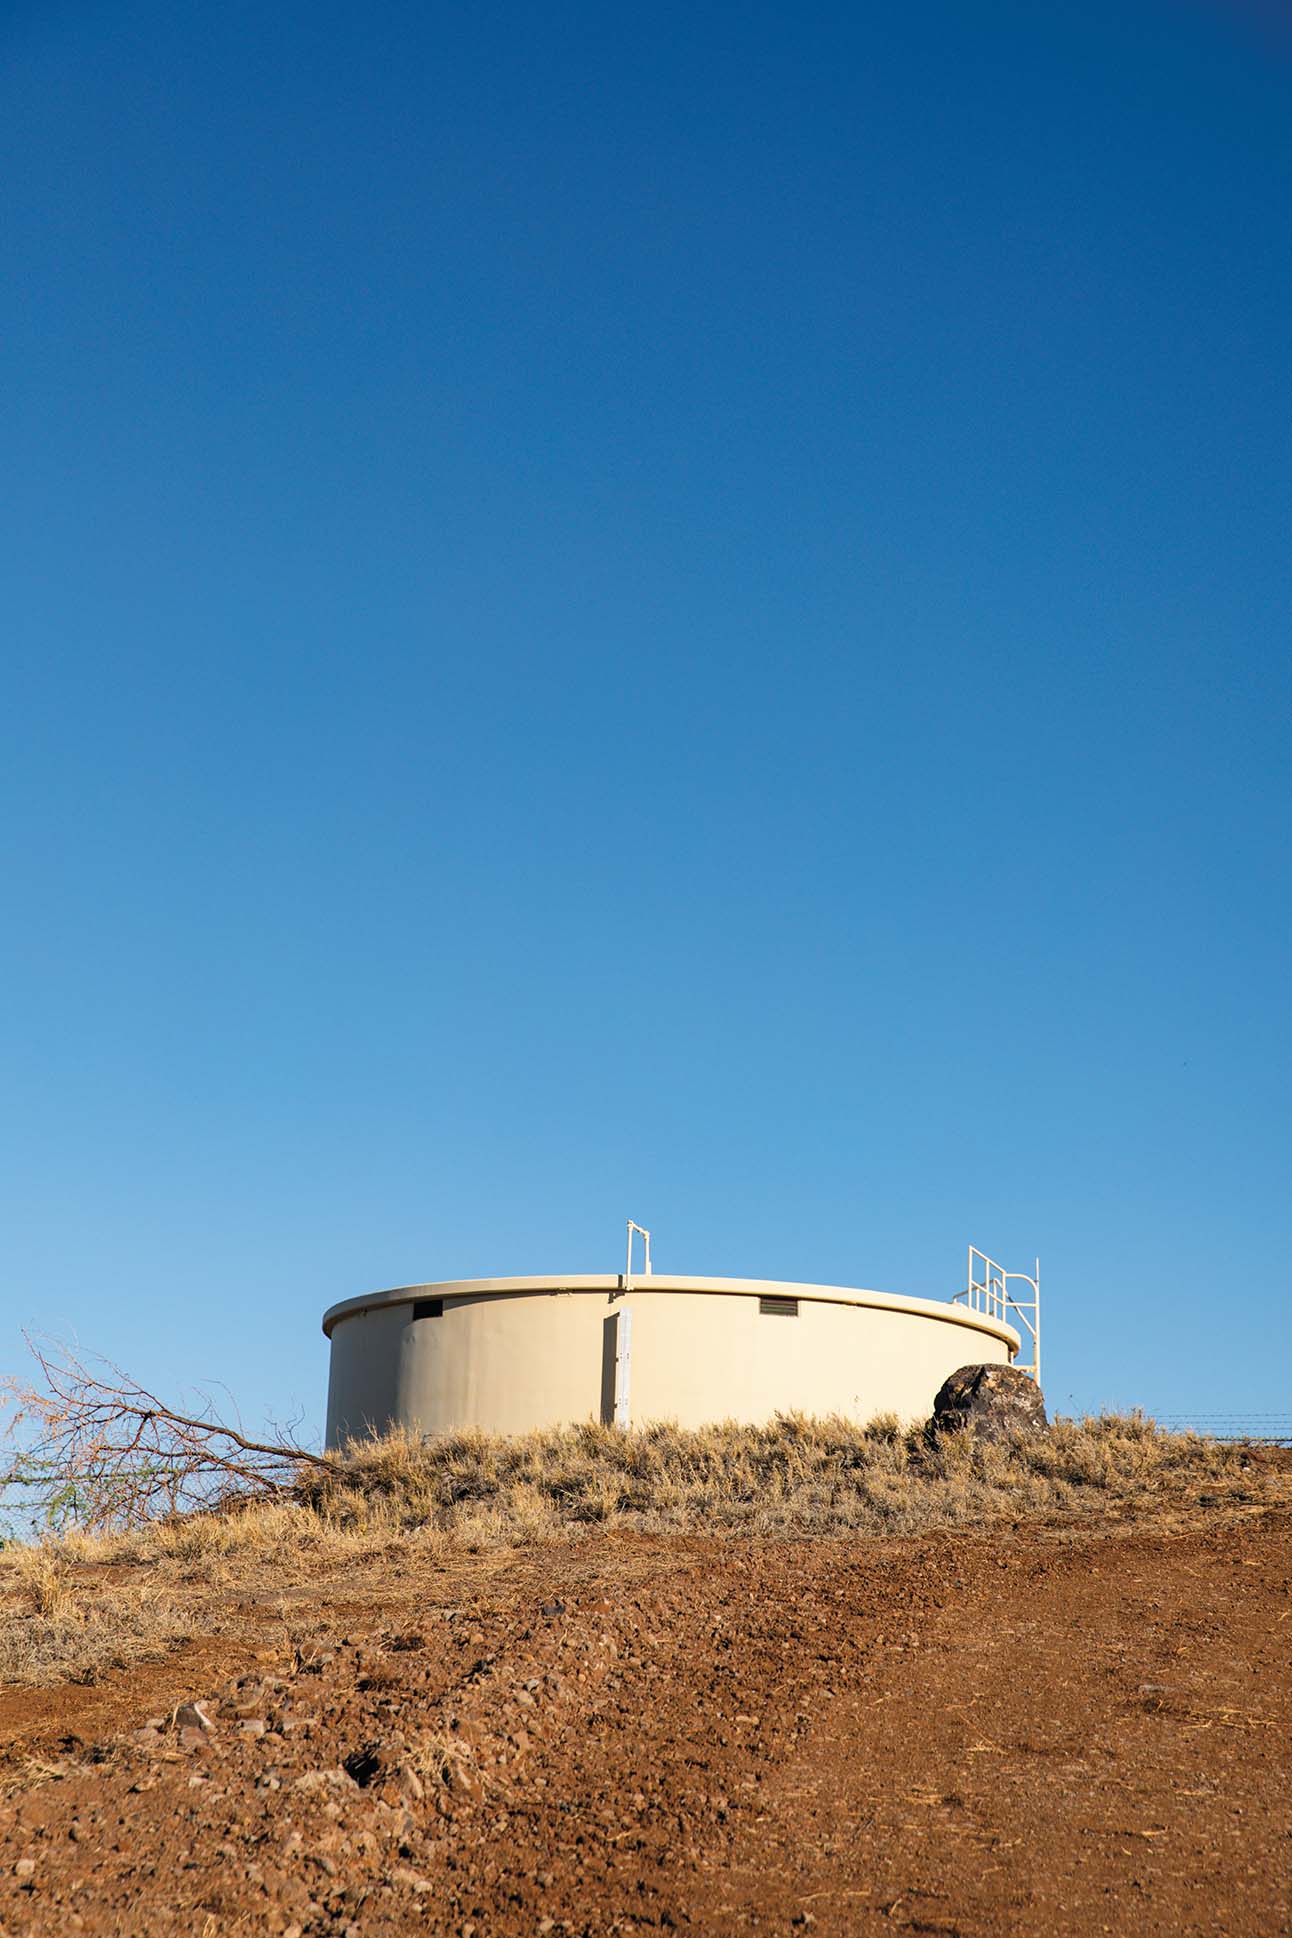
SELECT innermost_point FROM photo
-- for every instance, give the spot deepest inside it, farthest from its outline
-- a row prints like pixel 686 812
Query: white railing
pixel 988 1290
pixel 623 1330
pixel 644 1235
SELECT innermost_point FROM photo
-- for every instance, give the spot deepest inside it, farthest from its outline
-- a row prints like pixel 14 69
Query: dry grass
pixel 76 1607
pixel 55 1628
pixel 794 1477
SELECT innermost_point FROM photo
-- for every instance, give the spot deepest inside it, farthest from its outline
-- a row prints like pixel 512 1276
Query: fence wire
pixel 1274 1429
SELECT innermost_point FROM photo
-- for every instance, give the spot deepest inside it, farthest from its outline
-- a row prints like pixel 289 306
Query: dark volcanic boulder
pixel 998 1401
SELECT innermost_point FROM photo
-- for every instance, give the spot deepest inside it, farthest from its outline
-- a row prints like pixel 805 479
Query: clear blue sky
pixel 677 611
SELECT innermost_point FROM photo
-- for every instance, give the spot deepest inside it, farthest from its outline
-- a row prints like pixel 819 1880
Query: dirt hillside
pixel 1033 1731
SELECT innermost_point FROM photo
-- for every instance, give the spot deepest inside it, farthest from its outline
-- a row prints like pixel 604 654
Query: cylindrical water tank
pixel 509 1355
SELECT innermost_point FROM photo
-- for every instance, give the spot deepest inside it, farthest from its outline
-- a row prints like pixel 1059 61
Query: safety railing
pixel 644 1235
pixel 988 1289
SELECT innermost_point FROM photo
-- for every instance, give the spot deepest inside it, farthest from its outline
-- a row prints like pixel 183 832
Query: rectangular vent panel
pixel 428 1308
pixel 779 1308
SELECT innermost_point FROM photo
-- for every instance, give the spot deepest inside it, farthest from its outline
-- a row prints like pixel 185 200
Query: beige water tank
pixel 509 1355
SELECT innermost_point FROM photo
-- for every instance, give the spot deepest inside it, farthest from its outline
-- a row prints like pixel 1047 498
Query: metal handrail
pixel 987 1290
pixel 644 1235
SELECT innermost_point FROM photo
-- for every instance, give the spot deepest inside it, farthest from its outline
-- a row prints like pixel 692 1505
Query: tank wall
pixel 508 1363
pixel 697 1359
pixel 363 1389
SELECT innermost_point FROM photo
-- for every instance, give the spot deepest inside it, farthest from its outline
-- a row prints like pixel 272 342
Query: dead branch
pixel 90 1447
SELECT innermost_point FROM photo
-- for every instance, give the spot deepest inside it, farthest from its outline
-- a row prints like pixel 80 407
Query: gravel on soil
pixel 965 1734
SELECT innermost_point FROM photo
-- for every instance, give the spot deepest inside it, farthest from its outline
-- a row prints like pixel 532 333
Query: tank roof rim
pixel 552 1282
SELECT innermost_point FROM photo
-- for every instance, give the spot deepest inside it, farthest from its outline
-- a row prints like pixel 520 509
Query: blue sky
pixel 677 612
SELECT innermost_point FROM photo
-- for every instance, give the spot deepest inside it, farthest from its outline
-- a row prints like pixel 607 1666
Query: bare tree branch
pixel 91 1447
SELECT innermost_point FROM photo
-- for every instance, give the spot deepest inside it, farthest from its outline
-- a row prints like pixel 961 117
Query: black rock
pixel 364 1765
pixel 997 1401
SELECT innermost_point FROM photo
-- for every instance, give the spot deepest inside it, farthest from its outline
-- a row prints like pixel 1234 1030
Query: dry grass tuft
pixel 44 1574
pixel 56 1627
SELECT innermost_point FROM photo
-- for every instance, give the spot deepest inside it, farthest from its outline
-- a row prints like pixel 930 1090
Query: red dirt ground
pixel 1029 1731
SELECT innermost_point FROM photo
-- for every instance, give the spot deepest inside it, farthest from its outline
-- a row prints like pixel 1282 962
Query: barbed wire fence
pixel 1273 1429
